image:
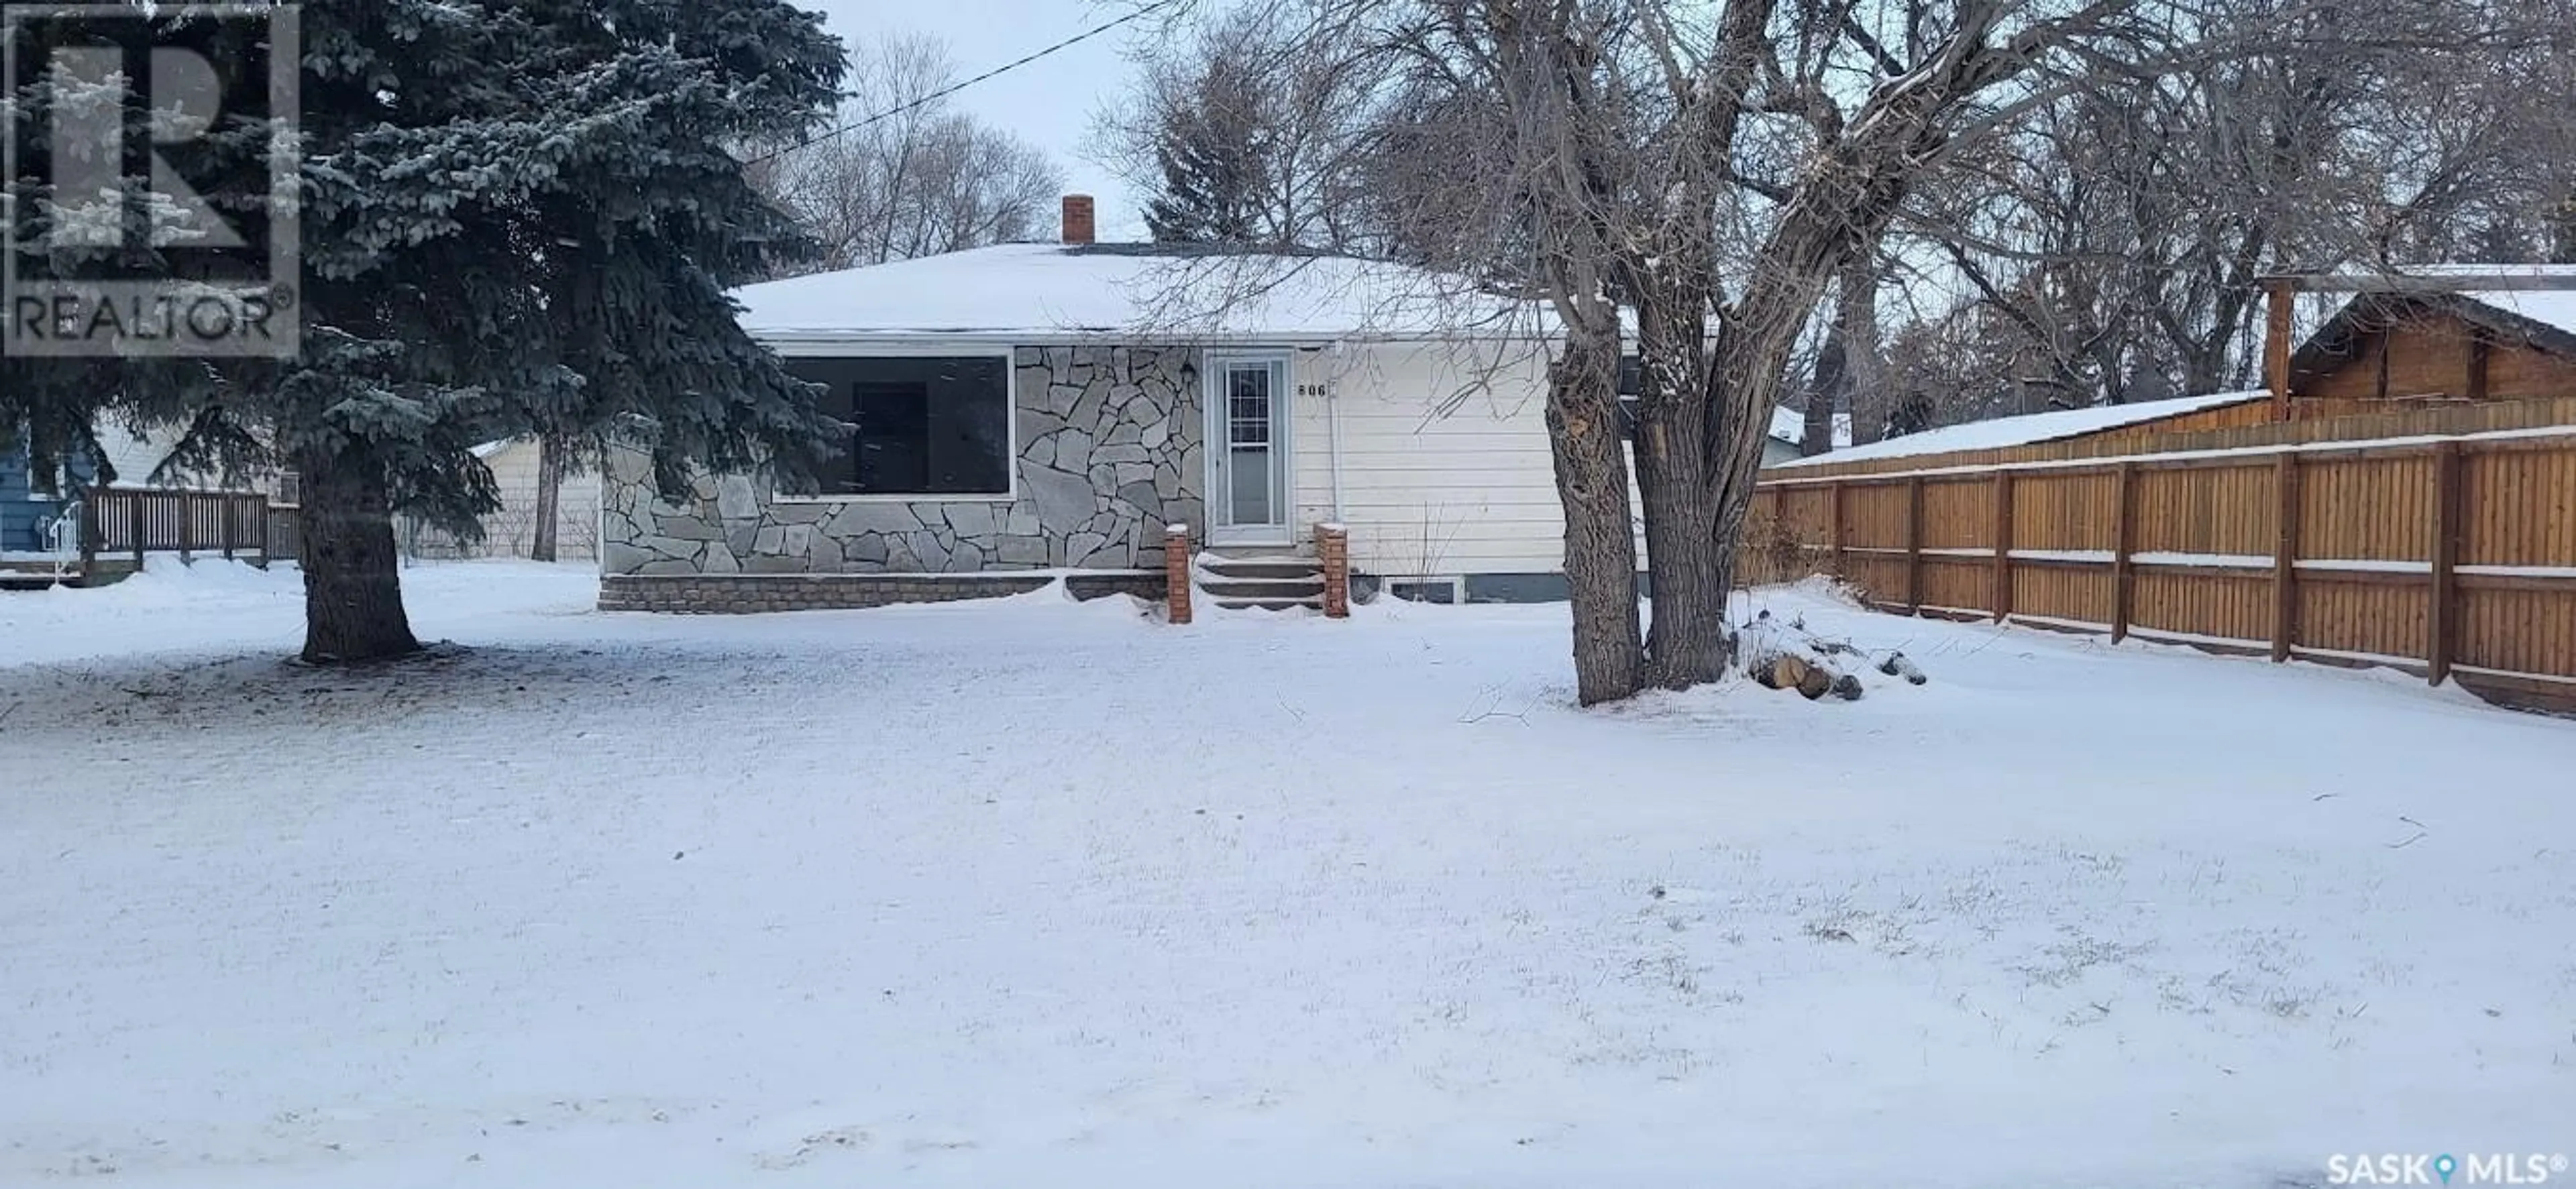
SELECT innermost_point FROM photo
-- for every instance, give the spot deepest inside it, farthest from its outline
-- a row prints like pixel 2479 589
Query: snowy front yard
pixel 1043 894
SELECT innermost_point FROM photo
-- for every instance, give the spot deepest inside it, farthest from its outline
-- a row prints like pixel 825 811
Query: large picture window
pixel 929 426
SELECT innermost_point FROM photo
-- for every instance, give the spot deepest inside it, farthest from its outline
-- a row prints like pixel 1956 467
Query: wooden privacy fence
pixel 136 521
pixel 2451 557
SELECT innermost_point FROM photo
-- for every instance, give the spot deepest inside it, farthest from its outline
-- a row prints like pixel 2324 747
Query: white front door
pixel 1248 491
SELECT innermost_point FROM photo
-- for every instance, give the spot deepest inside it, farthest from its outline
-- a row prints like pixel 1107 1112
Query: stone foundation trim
pixel 753 594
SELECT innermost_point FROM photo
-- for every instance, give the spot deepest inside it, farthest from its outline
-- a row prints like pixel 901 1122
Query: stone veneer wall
pixel 1109 442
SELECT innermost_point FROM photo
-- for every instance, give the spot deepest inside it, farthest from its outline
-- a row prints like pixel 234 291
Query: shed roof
pixel 2028 429
pixel 2553 309
pixel 1055 290
pixel 2506 305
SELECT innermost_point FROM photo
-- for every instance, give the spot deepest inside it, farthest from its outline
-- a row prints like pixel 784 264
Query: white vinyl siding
pixel 1471 491
pixel 508 532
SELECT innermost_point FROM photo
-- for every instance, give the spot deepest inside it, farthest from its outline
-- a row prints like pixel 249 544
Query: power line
pixel 954 88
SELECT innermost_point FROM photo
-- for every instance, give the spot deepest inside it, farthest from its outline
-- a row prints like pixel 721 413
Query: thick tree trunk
pixel 1600 536
pixel 1833 385
pixel 1848 373
pixel 549 512
pixel 1686 643
pixel 353 608
pixel 1816 429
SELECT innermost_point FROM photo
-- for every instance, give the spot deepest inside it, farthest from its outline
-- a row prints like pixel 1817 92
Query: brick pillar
pixel 1176 571
pixel 1333 552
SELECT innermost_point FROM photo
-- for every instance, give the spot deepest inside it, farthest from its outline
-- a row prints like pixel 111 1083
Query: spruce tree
pixel 521 219
pixel 51 407
pixel 518 218
pixel 1211 149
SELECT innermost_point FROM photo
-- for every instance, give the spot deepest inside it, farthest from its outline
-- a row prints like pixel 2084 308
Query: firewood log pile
pixel 1783 654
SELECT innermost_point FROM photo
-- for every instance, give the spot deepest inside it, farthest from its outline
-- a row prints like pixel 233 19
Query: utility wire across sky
pixel 953 88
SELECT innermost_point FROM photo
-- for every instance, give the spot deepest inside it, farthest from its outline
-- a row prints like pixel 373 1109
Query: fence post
pixel 2285 556
pixel 187 525
pixel 2003 545
pixel 1839 570
pixel 1333 553
pixel 90 528
pixel 1914 544
pixel 1176 572
pixel 2443 618
pixel 134 524
pixel 2124 544
pixel 2281 295
pixel 229 506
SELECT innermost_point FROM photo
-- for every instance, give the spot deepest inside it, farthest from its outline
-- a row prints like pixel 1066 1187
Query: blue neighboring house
pixel 24 511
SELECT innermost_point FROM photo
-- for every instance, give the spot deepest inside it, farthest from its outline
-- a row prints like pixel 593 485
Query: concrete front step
pixel 1264 578
pixel 1258 552
pixel 1284 568
pixel 1263 588
pixel 1315 604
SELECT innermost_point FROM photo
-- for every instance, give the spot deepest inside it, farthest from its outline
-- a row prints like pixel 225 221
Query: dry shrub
pixel 1772 546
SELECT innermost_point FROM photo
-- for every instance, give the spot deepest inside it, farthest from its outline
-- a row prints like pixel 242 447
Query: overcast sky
pixel 1048 102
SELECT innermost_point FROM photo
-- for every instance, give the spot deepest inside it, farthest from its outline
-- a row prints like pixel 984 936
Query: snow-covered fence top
pixel 2453 556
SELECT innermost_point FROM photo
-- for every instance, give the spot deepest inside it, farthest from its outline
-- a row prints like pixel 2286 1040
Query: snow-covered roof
pixel 135 455
pixel 2029 429
pixel 132 454
pixel 1790 425
pixel 2553 308
pixel 1055 290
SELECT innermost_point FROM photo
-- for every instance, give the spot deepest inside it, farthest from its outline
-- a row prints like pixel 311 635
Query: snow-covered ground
pixel 1035 893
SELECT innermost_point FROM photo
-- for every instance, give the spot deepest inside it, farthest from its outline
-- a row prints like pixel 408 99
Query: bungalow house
pixel 1037 408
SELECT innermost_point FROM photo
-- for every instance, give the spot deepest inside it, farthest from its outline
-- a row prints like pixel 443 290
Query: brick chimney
pixel 1077 219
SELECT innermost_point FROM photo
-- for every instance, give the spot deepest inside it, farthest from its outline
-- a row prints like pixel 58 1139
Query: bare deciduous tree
pixel 921 180
pixel 1691 179
pixel 2119 232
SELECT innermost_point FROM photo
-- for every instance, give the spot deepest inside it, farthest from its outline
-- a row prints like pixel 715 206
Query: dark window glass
pixel 929 426
pixel 893 445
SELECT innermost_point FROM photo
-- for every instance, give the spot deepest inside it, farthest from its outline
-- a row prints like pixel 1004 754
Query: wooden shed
pixel 2487 339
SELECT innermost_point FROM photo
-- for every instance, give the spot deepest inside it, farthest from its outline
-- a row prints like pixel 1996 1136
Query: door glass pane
pixel 1247 431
